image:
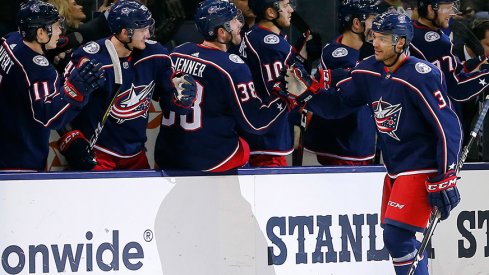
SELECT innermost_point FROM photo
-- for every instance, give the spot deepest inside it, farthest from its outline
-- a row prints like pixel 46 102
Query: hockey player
pixel 349 140
pixel 265 50
pixel 34 98
pixel 420 134
pixel 146 71
pixel 227 100
pixel 431 44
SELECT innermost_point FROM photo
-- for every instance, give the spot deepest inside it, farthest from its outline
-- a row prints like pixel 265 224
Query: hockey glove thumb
pixel 74 146
pixel 185 90
pixel 83 80
pixel 443 193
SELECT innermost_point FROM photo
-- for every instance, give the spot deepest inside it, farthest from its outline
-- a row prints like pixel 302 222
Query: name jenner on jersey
pixel 189 66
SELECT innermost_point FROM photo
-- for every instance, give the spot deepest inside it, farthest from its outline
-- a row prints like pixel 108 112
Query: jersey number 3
pixel 187 122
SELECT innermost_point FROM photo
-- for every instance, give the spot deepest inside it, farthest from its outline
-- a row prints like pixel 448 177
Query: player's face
pixel 56 30
pixel 384 51
pixel 445 11
pixel 285 10
pixel 139 38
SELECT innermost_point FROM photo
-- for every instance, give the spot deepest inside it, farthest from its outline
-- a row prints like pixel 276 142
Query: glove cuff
pixel 72 92
pixel 65 141
pixel 442 182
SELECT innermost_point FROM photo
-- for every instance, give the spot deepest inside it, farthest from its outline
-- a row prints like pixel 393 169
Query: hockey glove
pixel 289 100
pixel 329 78
pixel 443 193
pixel 83 80
pixel 300 84
pixel 308 48
pixel 75 147
pixel 185 90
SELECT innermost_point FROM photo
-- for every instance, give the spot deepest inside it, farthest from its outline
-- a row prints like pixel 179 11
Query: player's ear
pixel 271 13
pixel 357 25
pixel 42 35
pixel 430 11
pixel 401 43
pixel 124 35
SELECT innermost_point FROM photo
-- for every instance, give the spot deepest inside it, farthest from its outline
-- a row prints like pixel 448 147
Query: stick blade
pixel 116 64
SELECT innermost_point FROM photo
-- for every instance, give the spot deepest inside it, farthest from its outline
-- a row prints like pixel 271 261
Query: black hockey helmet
pixel 260 6
pixel 212 14
pixel 361 9
pixel 130 15
pixel 35 14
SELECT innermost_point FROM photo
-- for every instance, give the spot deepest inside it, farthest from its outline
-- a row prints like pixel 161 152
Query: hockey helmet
pixel 423 4
pixel 129 15
pixel 396 24
pixel 350 9
pixel 35 14
pixel 212 14
pixel 260 6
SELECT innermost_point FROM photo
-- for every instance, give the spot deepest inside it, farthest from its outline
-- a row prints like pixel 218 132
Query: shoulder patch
pixel 91 48
pixel 340 52
pixel 431 36
pixel 235 59
pixel 151 41
pixel 271 39
pixel 40 60
pixel 422 68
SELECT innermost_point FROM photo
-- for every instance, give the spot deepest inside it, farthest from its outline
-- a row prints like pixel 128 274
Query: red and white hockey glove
pixel 300 84
pixel 185 90
pixel 75 147
pixel 83 80
pixel 443 193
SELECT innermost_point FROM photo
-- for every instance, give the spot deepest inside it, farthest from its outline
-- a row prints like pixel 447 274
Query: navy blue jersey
pixel 226 104
pixel 418 130
pixel 348 138
pixel 266 53
pixel 144 72
pixel 436 47
pixel 32 102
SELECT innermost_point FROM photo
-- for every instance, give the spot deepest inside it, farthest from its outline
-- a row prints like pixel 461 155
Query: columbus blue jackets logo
pixel 133 103
pixel 387 117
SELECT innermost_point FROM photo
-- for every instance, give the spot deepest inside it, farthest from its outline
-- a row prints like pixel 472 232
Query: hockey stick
pixel 116 65
pixel 298 154
pixel 435 214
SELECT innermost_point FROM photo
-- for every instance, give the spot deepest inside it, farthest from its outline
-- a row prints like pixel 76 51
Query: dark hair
pixel 480 27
